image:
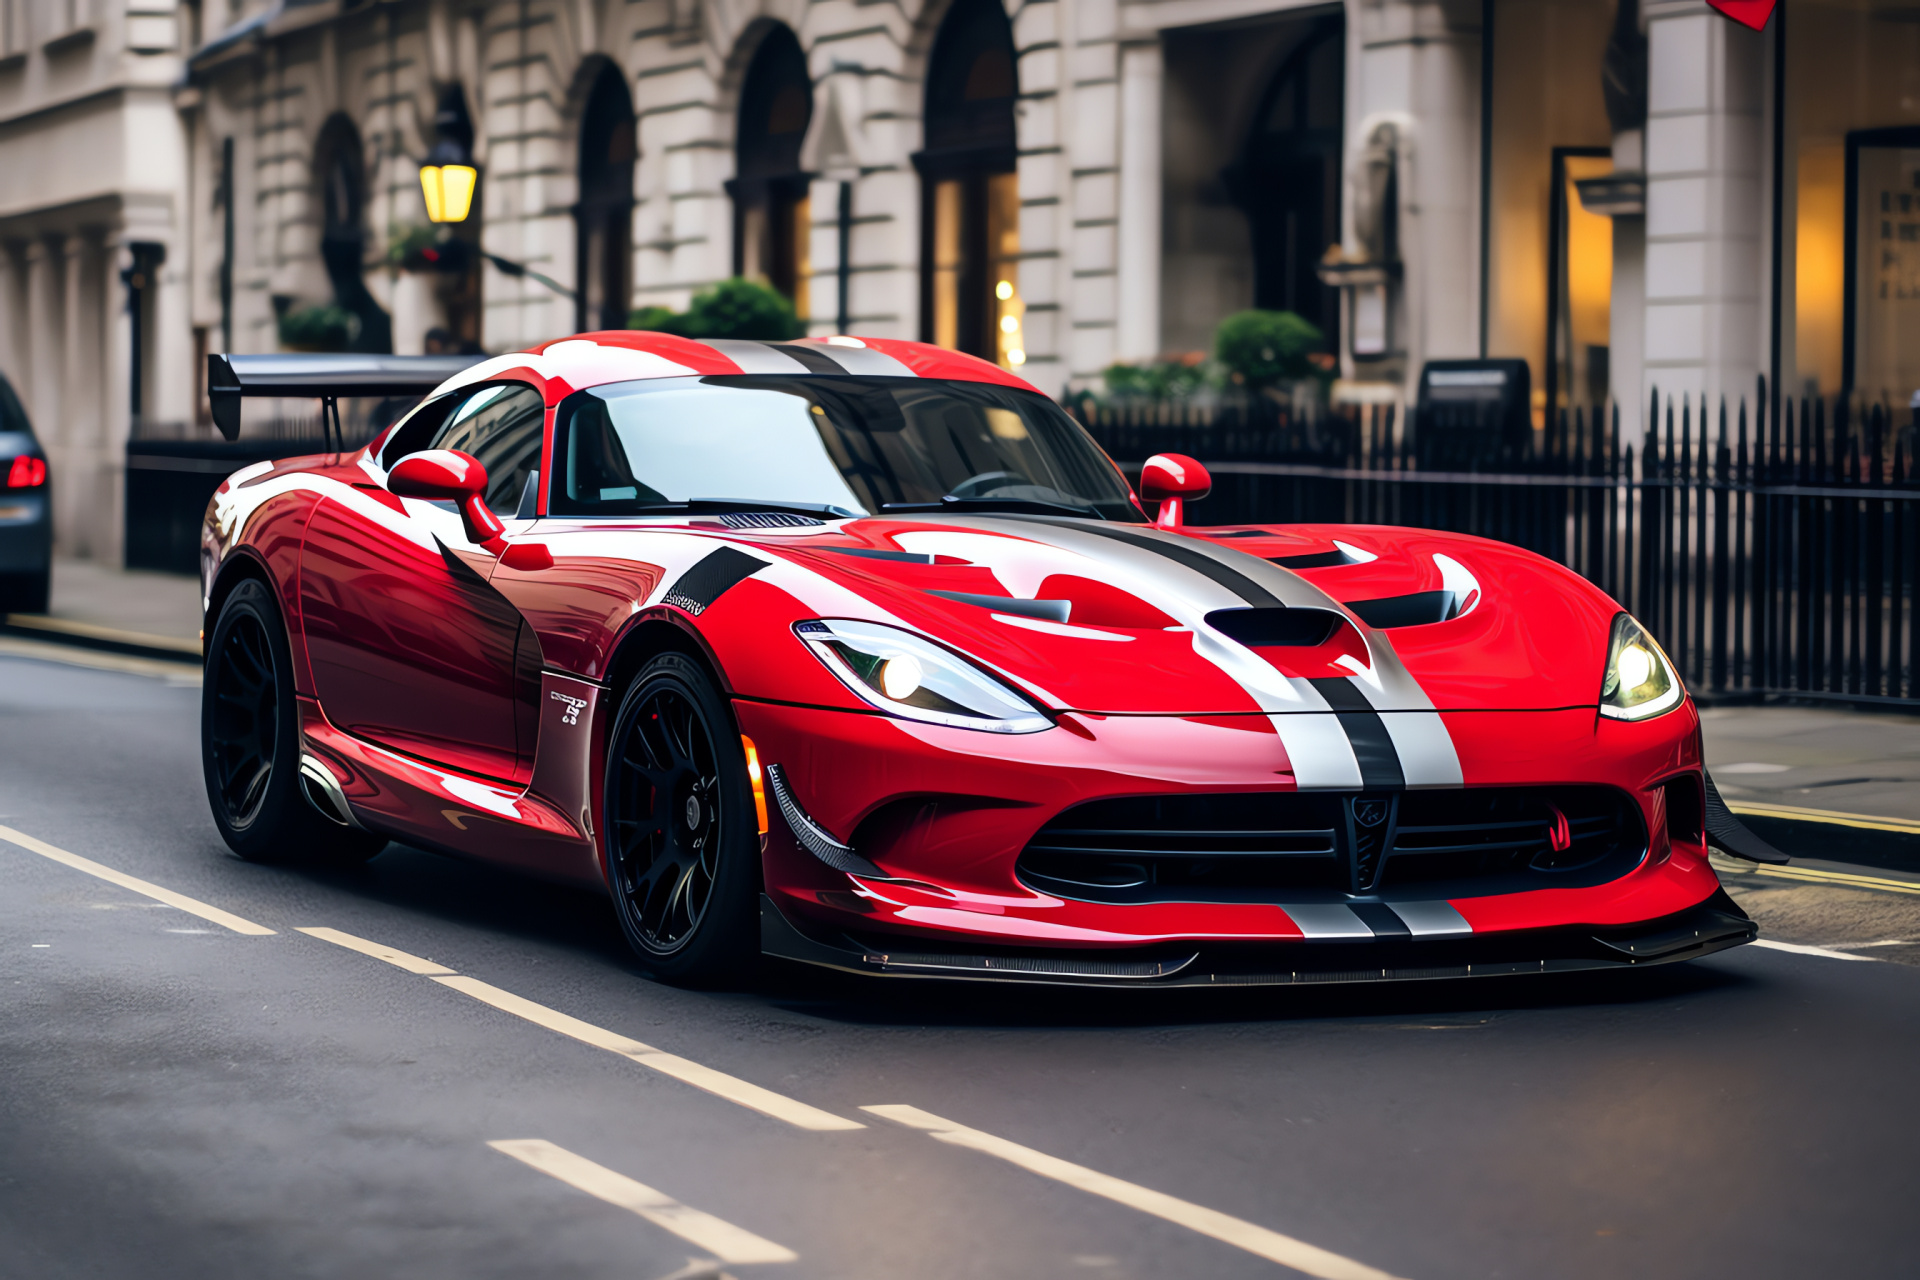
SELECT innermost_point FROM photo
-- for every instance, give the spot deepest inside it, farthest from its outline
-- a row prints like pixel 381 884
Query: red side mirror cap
pixel 1173 480
pixel 442 475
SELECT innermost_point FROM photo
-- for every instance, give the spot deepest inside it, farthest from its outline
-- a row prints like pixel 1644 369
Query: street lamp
pixel 448 176
pixel 446 180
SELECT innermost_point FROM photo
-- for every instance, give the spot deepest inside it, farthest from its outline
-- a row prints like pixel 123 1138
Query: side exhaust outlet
pixel 322 791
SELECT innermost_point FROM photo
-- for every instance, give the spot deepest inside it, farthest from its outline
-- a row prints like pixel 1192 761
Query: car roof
pixel 566 365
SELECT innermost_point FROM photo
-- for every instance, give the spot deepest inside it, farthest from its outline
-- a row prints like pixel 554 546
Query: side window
pixel 417 429
pixel 502 426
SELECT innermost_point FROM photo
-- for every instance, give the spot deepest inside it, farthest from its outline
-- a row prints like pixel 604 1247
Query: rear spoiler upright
pixel 328 377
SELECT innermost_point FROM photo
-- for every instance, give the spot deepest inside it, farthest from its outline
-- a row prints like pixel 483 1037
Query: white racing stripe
pixel 1436 919
pixel 192 906
pixel 1319 751
pixel 1320 920
pixel 726 1242
pixel 1257 1240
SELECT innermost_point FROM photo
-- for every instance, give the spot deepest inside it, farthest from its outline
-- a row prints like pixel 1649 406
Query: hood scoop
pixel 1301 628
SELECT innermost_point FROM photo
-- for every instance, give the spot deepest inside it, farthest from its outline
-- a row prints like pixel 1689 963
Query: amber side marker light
pixel 759 782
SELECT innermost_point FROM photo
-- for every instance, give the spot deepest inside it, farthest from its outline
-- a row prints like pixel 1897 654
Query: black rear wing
pixel 231 379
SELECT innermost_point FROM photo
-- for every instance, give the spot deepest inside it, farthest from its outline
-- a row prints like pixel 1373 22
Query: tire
pixel 25 592
pixel 250 742
pixel 683 849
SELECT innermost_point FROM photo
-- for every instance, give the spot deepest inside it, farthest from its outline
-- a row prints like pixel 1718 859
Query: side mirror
pixel 1173 480
pixel 443 475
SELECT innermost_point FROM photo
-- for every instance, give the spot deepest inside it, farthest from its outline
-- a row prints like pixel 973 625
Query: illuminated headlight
pixel 905 675
pixel 1640 682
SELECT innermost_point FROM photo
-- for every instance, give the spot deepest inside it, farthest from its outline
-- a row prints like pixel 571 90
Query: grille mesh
pixel 1298 846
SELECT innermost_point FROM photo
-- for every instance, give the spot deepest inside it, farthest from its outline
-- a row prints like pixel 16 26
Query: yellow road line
pixel 1811 875
pixel 1757 809
pixel 225 919
pixel 1257 1240
pixel 379 951
pixel 726 1242
pixel 718 1083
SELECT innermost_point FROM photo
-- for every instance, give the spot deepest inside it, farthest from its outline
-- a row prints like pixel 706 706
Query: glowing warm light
pixel 1016 357
pixel 759 784
pixel 1009 324
pixel 1003 290
pixel 448 190
pixel 900 677
pixel 1636 667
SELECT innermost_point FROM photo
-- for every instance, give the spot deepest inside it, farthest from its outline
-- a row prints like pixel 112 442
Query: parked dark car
pixel 26 512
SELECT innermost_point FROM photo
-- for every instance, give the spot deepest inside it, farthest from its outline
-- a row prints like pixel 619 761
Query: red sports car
pixel 862 653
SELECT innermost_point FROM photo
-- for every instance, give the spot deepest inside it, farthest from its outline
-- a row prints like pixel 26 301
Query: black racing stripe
pixel 1373 747
pixel 1187 556
pixel 816 360
pixel 1340 693
pixel 1379 917
pixel 711 578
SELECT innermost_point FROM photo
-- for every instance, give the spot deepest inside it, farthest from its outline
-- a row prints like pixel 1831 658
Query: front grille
pixel 1300 846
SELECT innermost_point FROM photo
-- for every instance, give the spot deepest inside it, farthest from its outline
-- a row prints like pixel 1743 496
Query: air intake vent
pixel 765 520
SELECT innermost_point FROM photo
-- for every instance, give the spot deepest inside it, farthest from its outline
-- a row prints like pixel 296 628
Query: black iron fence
pixel 1772 550
pixel 174 467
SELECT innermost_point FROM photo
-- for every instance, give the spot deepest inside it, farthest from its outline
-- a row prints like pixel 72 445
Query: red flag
pixel 1748 13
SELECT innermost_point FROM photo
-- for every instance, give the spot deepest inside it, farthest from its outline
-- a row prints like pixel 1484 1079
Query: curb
pixel 1892 844
pixel 85 635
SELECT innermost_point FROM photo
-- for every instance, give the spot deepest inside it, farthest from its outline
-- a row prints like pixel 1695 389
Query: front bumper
pixel 1714 925
pixel 944 814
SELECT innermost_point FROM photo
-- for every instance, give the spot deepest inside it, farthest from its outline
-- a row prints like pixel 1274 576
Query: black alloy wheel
pixel 682 846
pixel 250 742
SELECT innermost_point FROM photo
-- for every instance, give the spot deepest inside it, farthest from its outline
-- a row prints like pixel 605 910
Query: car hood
pixel 1114 619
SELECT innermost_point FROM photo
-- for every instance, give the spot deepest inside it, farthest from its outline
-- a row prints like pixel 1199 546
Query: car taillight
pixel 26 473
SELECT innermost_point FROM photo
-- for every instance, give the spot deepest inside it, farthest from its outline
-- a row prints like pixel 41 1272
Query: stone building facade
pixel 1654 197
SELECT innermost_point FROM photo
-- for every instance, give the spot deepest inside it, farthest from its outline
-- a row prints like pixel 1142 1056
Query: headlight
pixel 1640 682
pixel 905 675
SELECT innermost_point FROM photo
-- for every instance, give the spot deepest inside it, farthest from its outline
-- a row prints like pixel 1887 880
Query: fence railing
pixel 1772 551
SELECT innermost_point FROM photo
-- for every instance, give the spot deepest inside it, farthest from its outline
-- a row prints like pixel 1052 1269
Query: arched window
pixel 770 216
pixel 604 217
pixel 339 167
pixel 1288 178
pixel 970 213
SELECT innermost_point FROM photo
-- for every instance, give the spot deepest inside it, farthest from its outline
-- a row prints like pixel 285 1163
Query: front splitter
pixel 1714 925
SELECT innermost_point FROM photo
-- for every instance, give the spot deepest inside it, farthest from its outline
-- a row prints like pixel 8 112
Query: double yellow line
pixel 1838 879
pixel 1755 809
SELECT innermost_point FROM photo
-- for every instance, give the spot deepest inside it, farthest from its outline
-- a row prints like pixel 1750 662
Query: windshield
pixel 844 446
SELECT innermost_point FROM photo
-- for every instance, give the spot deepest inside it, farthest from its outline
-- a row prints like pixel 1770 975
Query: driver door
pixel 409 646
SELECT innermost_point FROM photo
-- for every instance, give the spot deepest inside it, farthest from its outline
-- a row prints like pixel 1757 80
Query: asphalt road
pixel 181 1099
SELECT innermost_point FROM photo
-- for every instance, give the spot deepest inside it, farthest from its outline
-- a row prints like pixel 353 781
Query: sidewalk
pixel 1814 758
pixel 128 610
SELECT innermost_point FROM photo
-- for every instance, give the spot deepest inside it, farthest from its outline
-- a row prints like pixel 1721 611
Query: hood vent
pixel 1050 610
pixel 1269 626
pixel 1416 610
pixel 765 520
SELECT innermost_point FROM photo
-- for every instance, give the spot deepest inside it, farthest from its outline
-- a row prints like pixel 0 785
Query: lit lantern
pixel 448 189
